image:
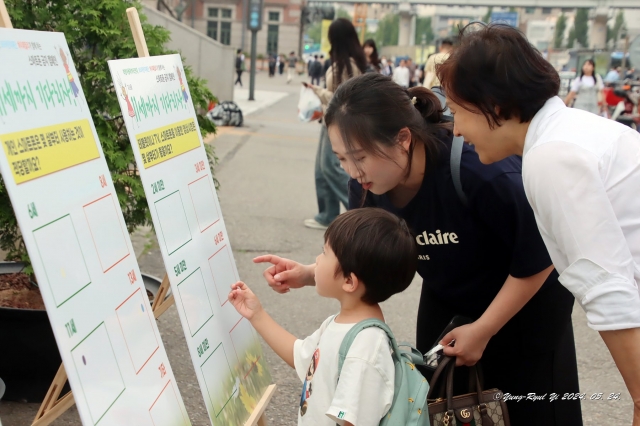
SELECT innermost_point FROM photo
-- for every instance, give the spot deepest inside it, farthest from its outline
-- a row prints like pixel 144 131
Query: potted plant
pixel 260 57
pixel 96 31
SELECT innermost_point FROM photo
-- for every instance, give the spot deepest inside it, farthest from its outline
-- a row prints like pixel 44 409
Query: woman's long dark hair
pixel 373 59
pixel 345 45
pixel 593 64
pixel 371 109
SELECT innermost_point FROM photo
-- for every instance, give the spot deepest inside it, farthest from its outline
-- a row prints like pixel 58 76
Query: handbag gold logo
pixel 465 414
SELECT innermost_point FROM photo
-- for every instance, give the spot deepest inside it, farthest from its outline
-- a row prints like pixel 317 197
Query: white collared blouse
pixel 581 175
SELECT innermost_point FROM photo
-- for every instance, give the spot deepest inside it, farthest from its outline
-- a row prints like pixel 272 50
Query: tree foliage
pixel 423 26
pixel 561 26
pixel 581 26
pixel 97 31
pixel 614 33
pixel 487 17
pixel 388 30
pixel 571 41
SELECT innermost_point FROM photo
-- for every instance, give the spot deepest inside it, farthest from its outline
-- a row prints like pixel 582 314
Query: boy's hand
pixel 285 274
pixel 245 302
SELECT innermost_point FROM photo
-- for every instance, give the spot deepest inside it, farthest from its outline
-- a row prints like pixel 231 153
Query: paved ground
pixel 267 190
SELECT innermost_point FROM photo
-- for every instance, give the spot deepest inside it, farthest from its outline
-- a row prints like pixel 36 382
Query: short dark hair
pixel 377 247
pixel 446 41
pixel 495 71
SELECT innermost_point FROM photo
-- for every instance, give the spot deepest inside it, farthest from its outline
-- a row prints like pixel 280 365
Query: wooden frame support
pixel 52 407
pixel 258 417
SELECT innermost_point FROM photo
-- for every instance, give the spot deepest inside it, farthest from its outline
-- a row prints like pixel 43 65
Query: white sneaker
pixel 314 224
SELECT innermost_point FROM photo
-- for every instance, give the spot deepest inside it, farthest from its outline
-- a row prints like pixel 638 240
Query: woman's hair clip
pixel 414 100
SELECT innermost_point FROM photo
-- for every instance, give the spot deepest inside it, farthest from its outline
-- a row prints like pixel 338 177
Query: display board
pixel 173 164
pixel 57 178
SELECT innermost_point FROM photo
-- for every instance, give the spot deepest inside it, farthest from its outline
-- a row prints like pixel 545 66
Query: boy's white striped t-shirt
pixel 365 391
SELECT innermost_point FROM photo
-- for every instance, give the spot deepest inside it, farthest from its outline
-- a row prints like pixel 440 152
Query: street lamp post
pixel 424 41
pixel 254 23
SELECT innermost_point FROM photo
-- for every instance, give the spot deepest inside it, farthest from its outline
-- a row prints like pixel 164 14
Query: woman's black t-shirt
pixel 467 253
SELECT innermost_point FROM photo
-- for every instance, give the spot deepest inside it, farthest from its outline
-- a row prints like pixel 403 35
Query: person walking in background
pixel 586 90
pixel 412 72
pixel 278 63
pixel 581 176
pixel 316 71
pixel 613 75
pixel 272 65
pixel 347 61
pixel 431 78
pixel 385 67
pixel 239 67
pixel 371 52
pixel 291 70
pixel 401 74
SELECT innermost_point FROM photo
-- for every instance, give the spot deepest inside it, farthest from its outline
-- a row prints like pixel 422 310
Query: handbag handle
pixel 482 407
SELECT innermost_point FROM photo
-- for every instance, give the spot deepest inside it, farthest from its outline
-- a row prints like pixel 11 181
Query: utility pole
pixel 254 22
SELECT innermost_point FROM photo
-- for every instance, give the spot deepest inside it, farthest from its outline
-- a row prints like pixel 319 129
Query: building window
pixel 546 10
pixel 529 10
pixel 225 33
pixel 272 39
pixel 274 16
pixel 212 29
pixel 219 24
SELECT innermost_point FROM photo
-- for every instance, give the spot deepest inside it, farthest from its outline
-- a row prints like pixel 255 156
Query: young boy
pixel 369 255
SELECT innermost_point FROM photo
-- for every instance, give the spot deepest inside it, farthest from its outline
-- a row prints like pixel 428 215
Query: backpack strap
pixel 456 157
pixel 456 147
pixel 351 336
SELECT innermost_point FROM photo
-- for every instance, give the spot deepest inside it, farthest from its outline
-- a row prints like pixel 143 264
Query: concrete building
pixel 223 21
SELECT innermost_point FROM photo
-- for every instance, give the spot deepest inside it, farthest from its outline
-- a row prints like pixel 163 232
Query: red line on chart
pixel 235 327
pixel 159 395
pixel 252 365
pixel 125 301
pixel 95 201
pixel 198 179
pixel 217 252
pixel 147 361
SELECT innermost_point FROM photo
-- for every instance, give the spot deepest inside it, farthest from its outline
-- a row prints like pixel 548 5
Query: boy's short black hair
pixel 446 41
pixel 377 247
pixel 496 72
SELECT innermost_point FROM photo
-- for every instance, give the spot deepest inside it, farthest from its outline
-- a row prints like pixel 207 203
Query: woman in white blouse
pixel 586 90
pixel 581 176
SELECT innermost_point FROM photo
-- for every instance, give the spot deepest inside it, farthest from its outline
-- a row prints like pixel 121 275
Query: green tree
pixel 572 38
pixel 487 17
pixel 97 31
pixel 581 26
pixel 388 30
pixel 614 33
pixel 423 26
pixel 314 31
pixel 561 26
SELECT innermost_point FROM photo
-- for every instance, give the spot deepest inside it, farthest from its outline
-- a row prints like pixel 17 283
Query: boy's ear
pixel 351 283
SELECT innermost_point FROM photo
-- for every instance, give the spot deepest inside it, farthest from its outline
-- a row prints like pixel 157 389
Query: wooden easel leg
pixel 160 305
pixel 257 418
pixel 52 407
pixel 262 421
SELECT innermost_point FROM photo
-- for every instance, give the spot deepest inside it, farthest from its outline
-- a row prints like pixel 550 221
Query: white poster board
pixel 67 208
pixel 165 136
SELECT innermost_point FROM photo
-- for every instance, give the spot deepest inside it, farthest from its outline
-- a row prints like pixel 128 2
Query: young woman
pixel 484 260
pixel 371 52
pixel 587 90
pixel 347 60
pixel 581 176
